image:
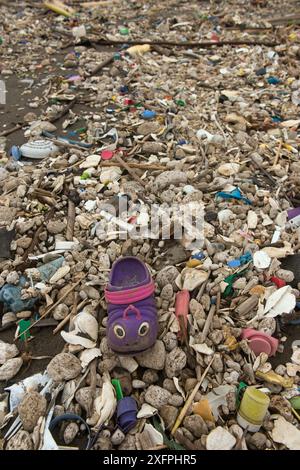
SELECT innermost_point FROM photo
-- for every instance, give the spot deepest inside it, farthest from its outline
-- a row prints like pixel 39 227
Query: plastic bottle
pixel 253 409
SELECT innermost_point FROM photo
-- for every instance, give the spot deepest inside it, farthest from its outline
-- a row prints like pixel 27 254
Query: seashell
pixel 88 356
pixel 38 149
pixel 92 161
pixel 8 317
pixel 228 169
pixel 84 220
pixel 84 324
pixel 110 175
pixel 68 391
pixel 10 368
pixel 64 366
pixel 220 439
pixel 261 259
pixel 191 278
pixel 296 356
pixel 225 216
pixel 292 369
pixel 252 220
pixel 281 301
pixel 147 411
pixel 150 437
pixel 60 273
pixel 202 348
pixel 3 407
pixel 7 351
pixel 70 432
pixel 105 405
pixel 85 397
pixel 286 433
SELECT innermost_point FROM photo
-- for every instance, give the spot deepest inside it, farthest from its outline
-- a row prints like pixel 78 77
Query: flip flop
pixel 132 315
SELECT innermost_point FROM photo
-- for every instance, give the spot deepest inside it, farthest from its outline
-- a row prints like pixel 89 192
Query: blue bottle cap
pixel 147 114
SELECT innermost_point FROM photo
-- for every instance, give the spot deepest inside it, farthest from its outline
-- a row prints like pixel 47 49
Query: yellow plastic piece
pixel 59 8
pixel 203 409
pixel 254 406
pixel 274 378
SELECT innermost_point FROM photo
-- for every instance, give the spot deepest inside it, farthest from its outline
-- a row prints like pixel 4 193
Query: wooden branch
pixel 102 65
pixel 71 221
pixel 204 44
pixel 208 322
pixel 191 398
pixel 10 131
pixel 130 170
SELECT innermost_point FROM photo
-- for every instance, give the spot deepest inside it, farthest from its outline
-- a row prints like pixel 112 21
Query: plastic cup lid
pixel 126 405
pixel 259 345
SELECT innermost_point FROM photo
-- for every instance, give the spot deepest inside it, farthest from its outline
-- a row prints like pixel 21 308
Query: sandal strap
pixel 129 296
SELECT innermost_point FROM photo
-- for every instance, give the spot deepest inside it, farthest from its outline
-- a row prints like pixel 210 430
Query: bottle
pixel 253 409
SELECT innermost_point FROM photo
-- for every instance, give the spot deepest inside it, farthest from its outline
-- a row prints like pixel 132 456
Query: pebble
pixel 154 358
pixel 157 396
pixel 64 366
pixel 175 362
pixel 196 425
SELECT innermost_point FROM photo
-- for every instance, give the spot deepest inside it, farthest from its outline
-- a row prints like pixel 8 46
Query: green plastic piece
pixel 180 102
pixel 1 40
pixel 116 383
pixel 23 325
pixel 124 31
pixel 295 402
pixel 240 392
pixel 85 175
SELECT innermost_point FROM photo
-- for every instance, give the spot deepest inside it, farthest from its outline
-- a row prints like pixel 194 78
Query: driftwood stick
pixel 71 220
pixel 130 170
pixel 53 305
pixel 65 320
pixel 204 44
pixel 140 166
pixel 191 398
pixel 10 131
pixel 208 322
pixel 102 65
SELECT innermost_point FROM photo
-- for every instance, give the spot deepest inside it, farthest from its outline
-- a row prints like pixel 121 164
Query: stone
pixel 32 406
pixel 167 178
pixel 157 396
pixel 153 358
pixel 71 431
pixel 24 314
pixel 64 366
pixel 169 414
pixel 150 376
pixel 148 128
pixel 170 341
pixel 175 362
pixel 10 368
pixel 196 425
pixel 257 441
pixel 166 276
pixel 60 312
pixel 56 226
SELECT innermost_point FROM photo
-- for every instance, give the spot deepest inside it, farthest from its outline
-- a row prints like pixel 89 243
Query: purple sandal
pixel 132 316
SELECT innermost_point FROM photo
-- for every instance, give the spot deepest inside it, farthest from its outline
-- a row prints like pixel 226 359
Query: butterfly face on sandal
pixel 132 316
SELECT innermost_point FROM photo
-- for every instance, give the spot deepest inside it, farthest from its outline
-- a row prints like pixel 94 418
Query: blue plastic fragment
pixel 15 152
pixel 181 142
pixel 276 119
pixel 244 259
pixel 235 194
pixel 198 255
pixel 273 80
pixel 123 89
pixel 147 114
pixel 234 263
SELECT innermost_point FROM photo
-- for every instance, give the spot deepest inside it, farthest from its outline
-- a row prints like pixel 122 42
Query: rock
pixel 70 433
pixel 32 406
pixel 152 147
pixel 167 292
pixel 92 161
pixel 91 292
pixel 175 362
pixel 148 128
pixel 24 242
pixel 153 358
pixel 176 400
pixel 9 317
pixel 150 376
pixel 138 384
pixel 128 443
pixel 60 312
pixel 20 441
pixel 196 425
pixel 10 368
pixel 220 439
pixel 257 441
pixel 167 178
pixel 12 278
pixel 169 414
pixel 24 314
pixel 170 341
pixel 64 366
pixel 7 351
pixel 157 396
pixel 55 226
pixel 166 276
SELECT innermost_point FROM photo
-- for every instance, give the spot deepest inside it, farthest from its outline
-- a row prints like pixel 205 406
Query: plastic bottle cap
pixel 147 114
pixel 259 345
pixel 127 413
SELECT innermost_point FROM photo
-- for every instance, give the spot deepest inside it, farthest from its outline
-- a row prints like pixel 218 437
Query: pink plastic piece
pixel 182 305
pixel 260 342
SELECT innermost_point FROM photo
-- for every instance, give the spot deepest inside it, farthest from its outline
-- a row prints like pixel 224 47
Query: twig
pixel 36 235
pixel 191 398
pixel 10 131
pixel 202 288
pixel 102 65
pixel 208 322
pixel 270 178
pixel 73 311
pixel 204 44
pixel 140 166
pixel 53 305
pixel 70 220
pixel 277 153
pixel 67 318
pixel 130 170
